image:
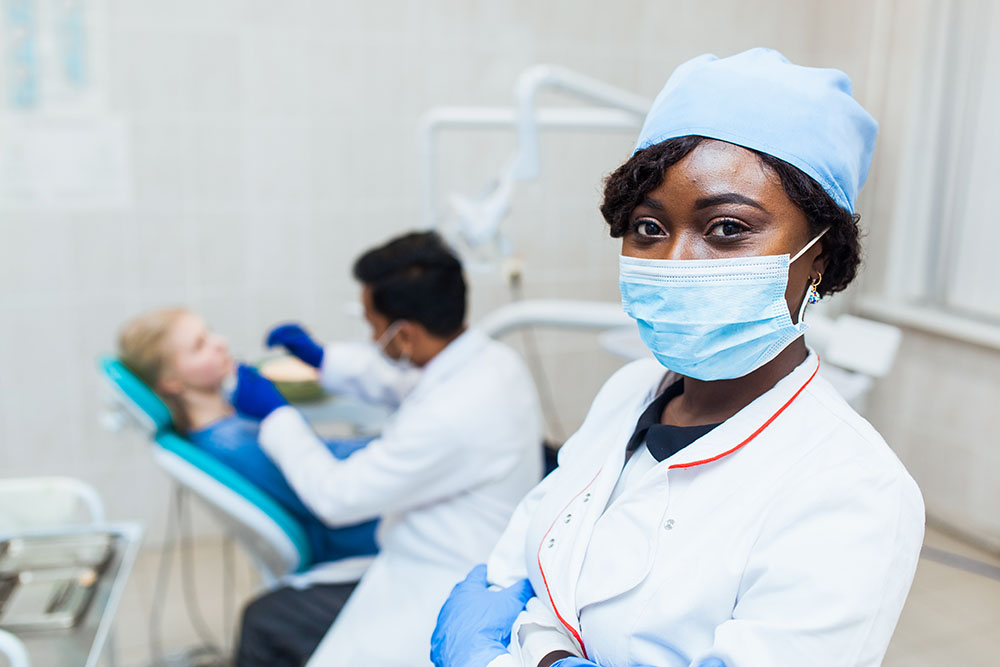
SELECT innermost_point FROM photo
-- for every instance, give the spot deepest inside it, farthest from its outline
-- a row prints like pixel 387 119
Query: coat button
pixel 552 542
pixel 669 525
pixel 569 518
pixel 586 497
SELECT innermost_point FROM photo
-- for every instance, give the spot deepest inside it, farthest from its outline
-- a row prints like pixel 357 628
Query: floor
pixel 183 626
pixel 952 616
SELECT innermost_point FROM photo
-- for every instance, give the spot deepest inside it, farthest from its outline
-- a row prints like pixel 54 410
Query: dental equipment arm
pixel 481 216
pixel 437 119
pixel 535 79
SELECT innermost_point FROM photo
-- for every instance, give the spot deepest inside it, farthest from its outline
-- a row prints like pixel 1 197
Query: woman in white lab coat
pixel 725 505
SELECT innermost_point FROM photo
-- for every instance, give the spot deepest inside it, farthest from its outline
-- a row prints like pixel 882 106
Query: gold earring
pixel 814 296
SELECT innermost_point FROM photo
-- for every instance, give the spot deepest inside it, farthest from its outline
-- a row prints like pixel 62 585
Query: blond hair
pixel 142 348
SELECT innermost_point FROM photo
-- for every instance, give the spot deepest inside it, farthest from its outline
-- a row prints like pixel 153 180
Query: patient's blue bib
pixel 233 441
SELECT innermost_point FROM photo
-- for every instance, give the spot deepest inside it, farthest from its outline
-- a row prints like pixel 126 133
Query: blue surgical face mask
pixel 712 319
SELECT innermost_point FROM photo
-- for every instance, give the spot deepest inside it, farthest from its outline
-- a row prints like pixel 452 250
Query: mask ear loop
pixel 812 296
pixel 387 336
pixel 809 245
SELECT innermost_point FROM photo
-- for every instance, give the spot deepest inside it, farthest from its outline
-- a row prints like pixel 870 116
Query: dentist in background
pixel 463 446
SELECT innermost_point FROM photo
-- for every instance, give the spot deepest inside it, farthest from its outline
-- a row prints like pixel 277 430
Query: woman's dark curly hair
pixel 629 185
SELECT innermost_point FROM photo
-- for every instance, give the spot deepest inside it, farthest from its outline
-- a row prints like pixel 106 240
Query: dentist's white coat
pixel 796 548
pixel 445 475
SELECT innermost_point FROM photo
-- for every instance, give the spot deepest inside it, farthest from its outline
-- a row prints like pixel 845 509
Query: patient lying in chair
pixel 186 364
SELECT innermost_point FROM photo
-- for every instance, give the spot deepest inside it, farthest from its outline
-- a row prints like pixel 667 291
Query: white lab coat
pixel 797 548
pixel 445 475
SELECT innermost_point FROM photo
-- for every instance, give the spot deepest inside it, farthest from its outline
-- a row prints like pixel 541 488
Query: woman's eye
pixel 725 228
pixel 647 228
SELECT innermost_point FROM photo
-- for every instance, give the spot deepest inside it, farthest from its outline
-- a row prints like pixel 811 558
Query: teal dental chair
pixel 271 536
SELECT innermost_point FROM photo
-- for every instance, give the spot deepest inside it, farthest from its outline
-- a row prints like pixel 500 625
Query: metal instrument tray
pixel 48 581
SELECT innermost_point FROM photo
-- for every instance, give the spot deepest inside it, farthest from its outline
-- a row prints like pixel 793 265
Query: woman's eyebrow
pixel 648 202
pixel 727 198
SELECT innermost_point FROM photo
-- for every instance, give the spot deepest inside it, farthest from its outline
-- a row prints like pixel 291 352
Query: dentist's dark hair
pixel 629 185
pixel 416 277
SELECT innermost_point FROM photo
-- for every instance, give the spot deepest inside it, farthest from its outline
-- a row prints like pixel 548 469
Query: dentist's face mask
pixel 712 319
pixel 404 362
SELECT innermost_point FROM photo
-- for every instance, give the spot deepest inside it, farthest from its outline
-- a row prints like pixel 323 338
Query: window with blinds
pixel 944 255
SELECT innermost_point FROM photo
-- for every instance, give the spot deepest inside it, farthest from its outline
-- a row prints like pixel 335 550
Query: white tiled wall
pixel 271 141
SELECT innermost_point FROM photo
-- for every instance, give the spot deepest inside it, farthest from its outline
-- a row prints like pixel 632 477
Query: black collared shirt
pixel 664 440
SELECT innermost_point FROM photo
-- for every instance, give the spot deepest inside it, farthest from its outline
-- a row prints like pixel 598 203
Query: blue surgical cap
pixel 757 99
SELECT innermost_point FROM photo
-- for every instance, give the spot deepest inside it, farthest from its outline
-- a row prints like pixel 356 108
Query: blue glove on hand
pixel 295 339
pixel 255 396
pixel 474 624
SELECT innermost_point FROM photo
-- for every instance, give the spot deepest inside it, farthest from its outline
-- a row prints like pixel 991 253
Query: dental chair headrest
pixel 141 401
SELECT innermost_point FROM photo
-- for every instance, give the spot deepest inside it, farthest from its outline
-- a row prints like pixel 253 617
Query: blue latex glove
pixel 296 340
pixel 255 396
pixel 474 624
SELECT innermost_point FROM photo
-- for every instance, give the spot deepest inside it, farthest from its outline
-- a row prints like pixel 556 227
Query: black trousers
pixel 283 627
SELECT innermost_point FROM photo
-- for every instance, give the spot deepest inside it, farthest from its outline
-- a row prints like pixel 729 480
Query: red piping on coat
pixel 572 631
pixel 538 557
pixel 755 433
